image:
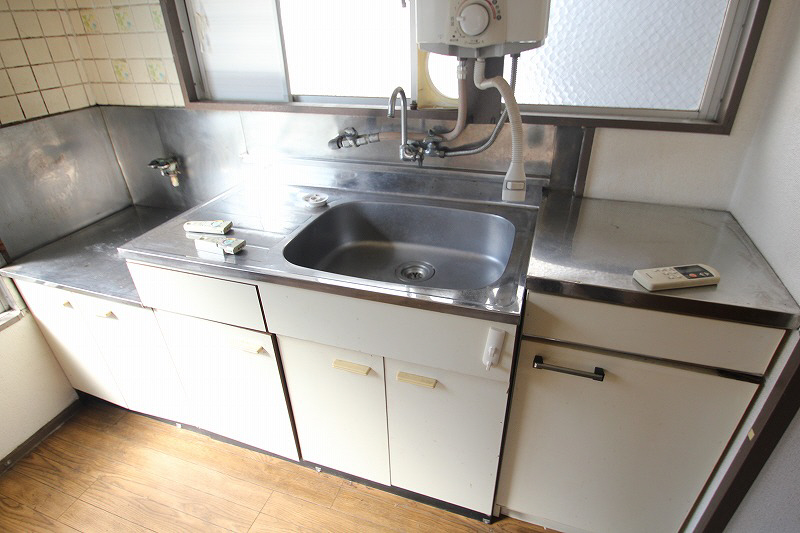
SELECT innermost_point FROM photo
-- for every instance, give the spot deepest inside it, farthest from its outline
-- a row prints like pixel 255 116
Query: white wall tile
pixel 177 94
pixel 105 70
pixel 120 2
pixel 59 48
pixel 76 97
pixel 133 46
pixel 89 94
pixel 76 22
pixel 163 42
pixel 84 51
pixel 3 5
pixel 102 3
pixel 92 74
pixel 20 4
pixel 146 94
pixel 99 93
pixel 6 89
pixel 122 71
pixel 138 71
pixel 50 21
pixel 68 73
pixel 98 45
pixel 129 94
pixel 142 18
pixel 105 17
pixel 113 95
pixel 37 51
pixel 55 100
pixel 163 95
pixel 27 24
pixel 44 4
pixel 22 79
pixel 124 17
pixel 10 111
pixel 85 3
pixel 32 104
pixel 66 21
pixel 114 46
pixel 46 76
pixel 172 72
pixel 13 53
pixel 8 30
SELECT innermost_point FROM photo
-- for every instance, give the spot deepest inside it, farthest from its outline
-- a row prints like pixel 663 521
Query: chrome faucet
pixel 168 166
pixel 407 152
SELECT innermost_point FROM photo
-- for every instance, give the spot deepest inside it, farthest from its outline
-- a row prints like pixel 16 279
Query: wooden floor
pixel 108 469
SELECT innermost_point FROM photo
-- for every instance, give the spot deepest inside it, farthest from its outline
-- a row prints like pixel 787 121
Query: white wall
pixel 33 388
pixel 688 168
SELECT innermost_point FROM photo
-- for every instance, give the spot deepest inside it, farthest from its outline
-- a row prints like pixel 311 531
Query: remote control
pixel 223 245
pixel 676 277
pixel 220 227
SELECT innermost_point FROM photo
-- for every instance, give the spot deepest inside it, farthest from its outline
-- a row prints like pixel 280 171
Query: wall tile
pixel 55 100
pixel 129 94
pixel 27 24
pixel 85 3
pixel 76 97
pixel 92 74
pixel 143 18
pixel 114 46
pixel 113 95
pixel 98 45
pixel 106 70
pixel 10 111
pixel 44 4
pixel 8 30
pixel 13 53
pixel 122 71
pixel 22 79
pixel 46 76
pixel 68 73
pixel 156 71
pixel 60 49
pixel 139 71
pixel 66 21
pixel 99 93
pixel 177 94
pixel 124 17
pixel 32 104
pixel 20 4
pixel 50 21
pixel 163 95
pixel 37 51
pixel 146 94
pixel 3 5
pixel 105 17
pixel 89 21
pixel 6 89
pixel 133 45
pixel 102 3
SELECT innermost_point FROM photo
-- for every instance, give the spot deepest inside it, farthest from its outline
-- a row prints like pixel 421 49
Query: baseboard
pixel 34 440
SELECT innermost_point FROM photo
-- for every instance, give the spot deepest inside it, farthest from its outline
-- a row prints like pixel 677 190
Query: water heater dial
pixel 473 19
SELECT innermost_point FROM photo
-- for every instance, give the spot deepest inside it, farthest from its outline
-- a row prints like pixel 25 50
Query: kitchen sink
pixel 421 245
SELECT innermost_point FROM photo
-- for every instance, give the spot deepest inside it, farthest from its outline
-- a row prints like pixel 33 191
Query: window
pixel 630 60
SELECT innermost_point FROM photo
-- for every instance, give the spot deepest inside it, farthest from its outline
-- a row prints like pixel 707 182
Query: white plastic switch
pixel 220 227
pixel 494 345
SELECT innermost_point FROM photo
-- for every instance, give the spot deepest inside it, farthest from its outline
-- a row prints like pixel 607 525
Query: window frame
pixel 725 91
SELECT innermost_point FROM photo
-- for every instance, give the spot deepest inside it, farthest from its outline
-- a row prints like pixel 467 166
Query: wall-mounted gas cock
pixel 168 167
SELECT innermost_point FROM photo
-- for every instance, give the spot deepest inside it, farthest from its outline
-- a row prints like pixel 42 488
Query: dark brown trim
pixel 779 410
pixel 33 441
pixel 583 161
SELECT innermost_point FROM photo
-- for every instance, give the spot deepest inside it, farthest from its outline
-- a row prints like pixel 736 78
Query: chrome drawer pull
pixel 598 374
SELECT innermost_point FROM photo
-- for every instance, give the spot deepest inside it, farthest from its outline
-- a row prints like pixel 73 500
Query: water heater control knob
pixel 473 19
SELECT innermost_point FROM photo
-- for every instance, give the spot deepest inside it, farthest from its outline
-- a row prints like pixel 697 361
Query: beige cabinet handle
pixel 67 304
pixel 249 346
pixel 107 314
pixel 347 366
pixel 419 381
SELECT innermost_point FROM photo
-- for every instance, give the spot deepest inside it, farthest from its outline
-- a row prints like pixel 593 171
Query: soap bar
pixel 224 245
pixel 219 227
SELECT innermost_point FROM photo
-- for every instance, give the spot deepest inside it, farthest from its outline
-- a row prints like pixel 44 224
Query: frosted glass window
pixel 359 48
pixel 646 54
pixel 239 50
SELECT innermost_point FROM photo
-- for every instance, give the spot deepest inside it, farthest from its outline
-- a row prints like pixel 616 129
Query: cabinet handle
pixel 598 374
pixel 347 366
pixel 107 314
pixel 67 304
pixel 419 381
pixel 249 347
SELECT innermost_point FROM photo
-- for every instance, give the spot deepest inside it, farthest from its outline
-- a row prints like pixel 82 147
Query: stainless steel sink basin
pixel 421 245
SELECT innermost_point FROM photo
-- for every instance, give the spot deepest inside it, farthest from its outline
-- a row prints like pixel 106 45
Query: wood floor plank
pixel 90 519
pixel 276 474
pixel 34 494
pixel 16 517
pixel 99 414
pixel 142 510
pixel 53 473
pixel 304 517
pixel 157 463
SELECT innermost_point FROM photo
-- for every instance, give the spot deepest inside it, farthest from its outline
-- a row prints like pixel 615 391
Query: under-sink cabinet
pixel 111 350
pixel 619 415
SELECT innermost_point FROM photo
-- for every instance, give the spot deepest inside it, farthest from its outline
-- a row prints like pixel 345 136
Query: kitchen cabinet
pixel 339 406
pixel 232 380
pixel 111 350
pixel 444 410
pixel 632 452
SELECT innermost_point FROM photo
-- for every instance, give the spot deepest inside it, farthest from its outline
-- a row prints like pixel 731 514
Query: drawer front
pixel 228 302
pixel 704 341
pixel 419 336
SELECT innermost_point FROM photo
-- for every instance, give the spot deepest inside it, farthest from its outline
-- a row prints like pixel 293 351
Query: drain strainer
pixel 415 271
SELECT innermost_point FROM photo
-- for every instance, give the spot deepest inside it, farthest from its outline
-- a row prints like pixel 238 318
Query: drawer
pixel 419 336
pixel 228 302
pixel 703 341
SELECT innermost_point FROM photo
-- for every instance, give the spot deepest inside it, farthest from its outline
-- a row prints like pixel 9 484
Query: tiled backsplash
pixel 57 55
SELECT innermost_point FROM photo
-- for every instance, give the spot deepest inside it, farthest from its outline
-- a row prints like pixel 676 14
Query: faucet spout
pixel 403 116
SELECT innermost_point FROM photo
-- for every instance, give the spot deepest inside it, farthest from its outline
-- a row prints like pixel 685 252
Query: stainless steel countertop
pixel 268 213
pixel 87 261
pixel 587 248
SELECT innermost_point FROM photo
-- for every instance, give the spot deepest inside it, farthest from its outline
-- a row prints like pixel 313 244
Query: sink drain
pixel 415 271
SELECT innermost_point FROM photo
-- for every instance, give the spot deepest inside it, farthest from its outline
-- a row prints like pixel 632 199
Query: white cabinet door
pixel 67 331
pixel 339 407
pixel 628 454
pixel 130 340
pixel 232 381
pixel 445 440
